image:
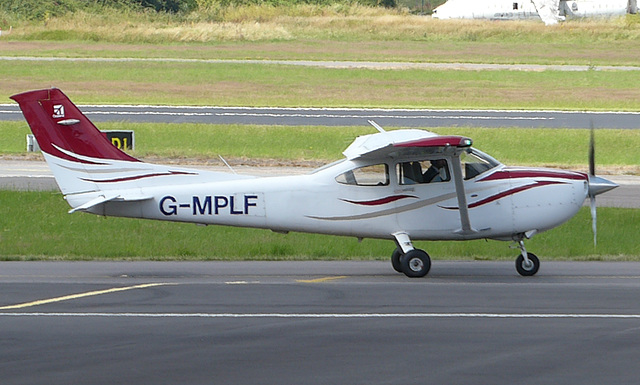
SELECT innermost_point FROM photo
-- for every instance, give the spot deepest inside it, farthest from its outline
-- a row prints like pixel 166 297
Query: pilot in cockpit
pixel 411 172
pixel 437 172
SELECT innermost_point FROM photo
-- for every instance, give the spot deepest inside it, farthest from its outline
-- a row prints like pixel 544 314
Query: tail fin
pixel 90 170
pixel 62 130
pixel 79 155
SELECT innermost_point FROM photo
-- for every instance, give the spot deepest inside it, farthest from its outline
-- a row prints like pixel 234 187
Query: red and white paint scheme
pixel 400 185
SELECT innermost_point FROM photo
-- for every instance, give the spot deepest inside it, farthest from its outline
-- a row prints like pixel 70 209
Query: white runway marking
pixel 328 315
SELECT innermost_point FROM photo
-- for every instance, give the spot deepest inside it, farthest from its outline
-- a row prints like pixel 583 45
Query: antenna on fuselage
pixel 374 124
pixel 227 164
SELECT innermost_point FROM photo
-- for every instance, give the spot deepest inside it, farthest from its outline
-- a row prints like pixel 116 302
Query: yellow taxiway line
pixel 325 279
pixel 80 295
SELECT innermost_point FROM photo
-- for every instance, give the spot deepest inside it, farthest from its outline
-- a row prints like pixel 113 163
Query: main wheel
pixel 529 270
pixel 395 260
pixel 416 263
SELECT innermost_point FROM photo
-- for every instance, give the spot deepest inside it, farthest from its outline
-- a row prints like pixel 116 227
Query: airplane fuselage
pixel 502 202
pixel 526 9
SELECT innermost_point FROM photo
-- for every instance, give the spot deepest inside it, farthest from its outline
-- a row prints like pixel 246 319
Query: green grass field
pixel 35 225
pixel 293 86
pixel 203 143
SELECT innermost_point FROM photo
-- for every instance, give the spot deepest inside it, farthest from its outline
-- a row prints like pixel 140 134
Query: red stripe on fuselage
pixel 506 193
pixel 511 192
pixel 380 201
pixel 519 173
pixel 136 177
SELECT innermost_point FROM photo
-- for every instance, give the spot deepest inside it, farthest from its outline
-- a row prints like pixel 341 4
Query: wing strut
pixel 462 197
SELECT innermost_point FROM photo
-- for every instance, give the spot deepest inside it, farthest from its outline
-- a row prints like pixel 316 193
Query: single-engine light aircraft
pixel 400 185
pixel 549 11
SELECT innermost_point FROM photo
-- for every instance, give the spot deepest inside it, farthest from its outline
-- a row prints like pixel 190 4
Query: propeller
pixel 597 185
pixel 592 196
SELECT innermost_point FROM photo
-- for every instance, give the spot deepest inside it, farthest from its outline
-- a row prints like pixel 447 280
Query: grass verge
pixel 35 225
pixel 227 84
pixel 255 144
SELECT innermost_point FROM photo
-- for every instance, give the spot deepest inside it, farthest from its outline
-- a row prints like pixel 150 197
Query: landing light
pixel 68 122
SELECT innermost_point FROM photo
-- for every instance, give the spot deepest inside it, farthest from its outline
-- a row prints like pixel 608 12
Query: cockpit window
pixel 426 171
pixel 475 163
pixel 375 175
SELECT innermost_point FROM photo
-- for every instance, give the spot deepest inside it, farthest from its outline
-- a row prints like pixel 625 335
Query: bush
pixel 43 10
pixel 46 9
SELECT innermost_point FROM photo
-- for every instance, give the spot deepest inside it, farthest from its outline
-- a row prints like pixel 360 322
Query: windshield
pixel 475 163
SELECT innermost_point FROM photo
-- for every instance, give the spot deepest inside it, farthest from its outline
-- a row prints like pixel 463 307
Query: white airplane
pixel 550 11
pixel 400 185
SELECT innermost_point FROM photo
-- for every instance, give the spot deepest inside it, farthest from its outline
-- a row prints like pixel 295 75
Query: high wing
pixel 401 143
pixel 408 143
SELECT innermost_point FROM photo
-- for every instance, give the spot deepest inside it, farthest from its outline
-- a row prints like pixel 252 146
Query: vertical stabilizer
pixel 62 130
pixel 549 11
pixel 89 170
pixel 74 148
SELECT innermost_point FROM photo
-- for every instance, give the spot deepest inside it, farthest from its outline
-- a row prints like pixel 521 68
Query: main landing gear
pixel 414 263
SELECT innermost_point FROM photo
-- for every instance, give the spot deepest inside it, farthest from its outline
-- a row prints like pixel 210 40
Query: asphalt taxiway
pixel 420 118
pixel 317 323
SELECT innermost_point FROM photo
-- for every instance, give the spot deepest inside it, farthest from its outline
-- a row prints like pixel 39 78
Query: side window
pixel 376 175
pixel 427 171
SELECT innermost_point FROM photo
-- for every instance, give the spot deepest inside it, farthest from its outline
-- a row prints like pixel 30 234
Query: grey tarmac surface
pixel 317 323
pixel 420 118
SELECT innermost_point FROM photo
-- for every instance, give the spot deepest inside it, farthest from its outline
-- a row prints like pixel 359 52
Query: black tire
pixel 415 264
pixel 527 271
pixel 395 260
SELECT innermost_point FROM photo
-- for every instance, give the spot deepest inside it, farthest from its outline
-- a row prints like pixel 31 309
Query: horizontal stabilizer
pixel 108 198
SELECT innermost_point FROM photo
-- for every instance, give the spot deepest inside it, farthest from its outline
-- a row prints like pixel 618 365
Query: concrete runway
pixel 317 323
pixel 419 118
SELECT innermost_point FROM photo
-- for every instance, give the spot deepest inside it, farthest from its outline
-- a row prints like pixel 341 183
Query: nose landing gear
pixel 527 264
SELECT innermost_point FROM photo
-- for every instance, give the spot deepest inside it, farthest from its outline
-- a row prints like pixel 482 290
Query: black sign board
pixel 123 139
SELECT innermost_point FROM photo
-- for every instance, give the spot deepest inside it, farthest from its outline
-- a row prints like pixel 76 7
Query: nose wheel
pixel 530 268
pixel 527 264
